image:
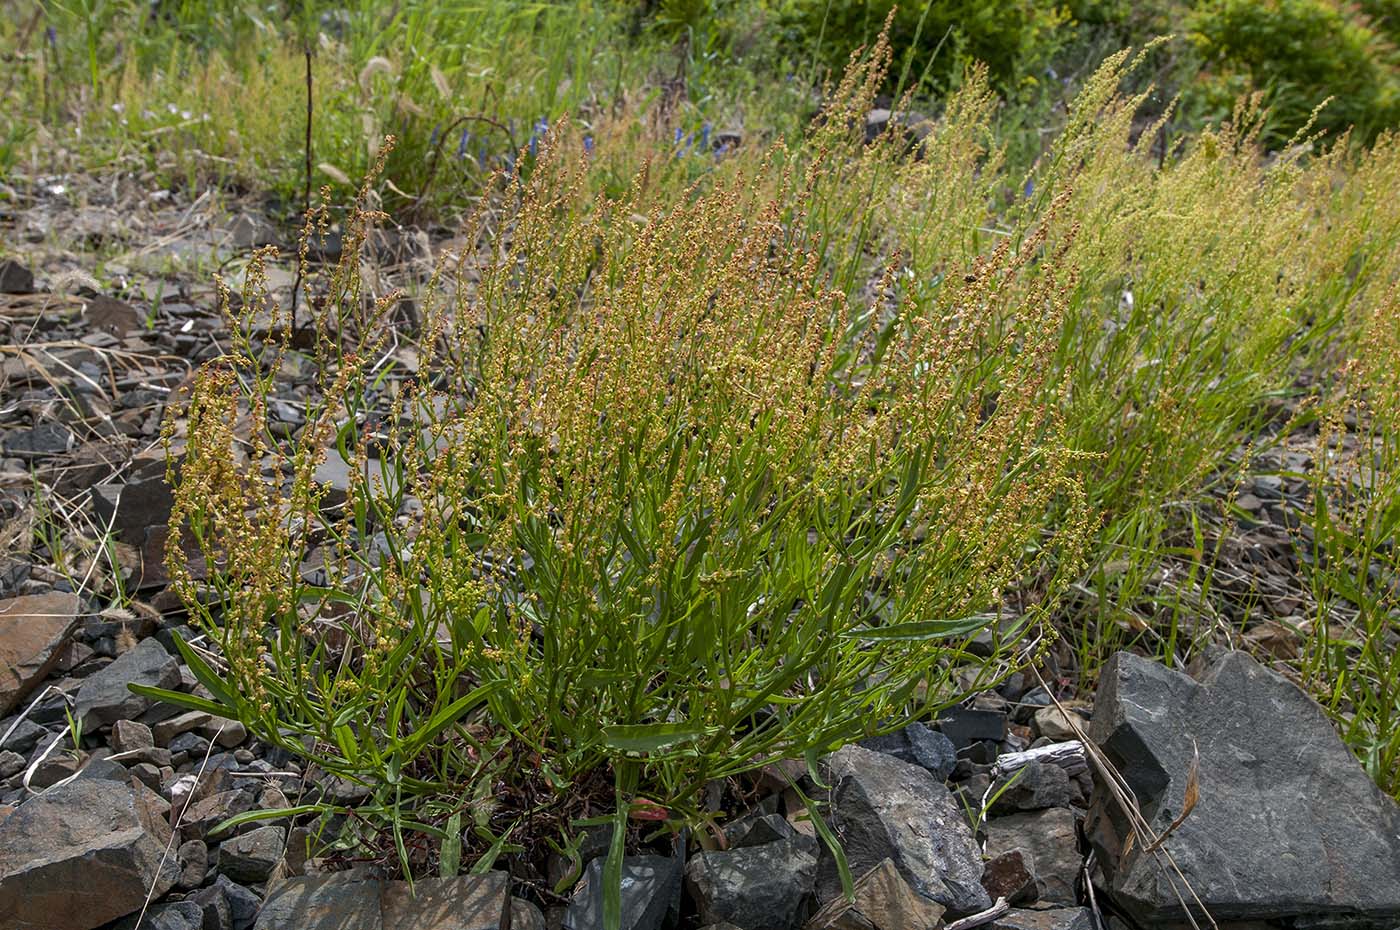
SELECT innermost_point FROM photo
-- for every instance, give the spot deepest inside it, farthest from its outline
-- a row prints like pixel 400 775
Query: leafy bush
pixel 652 508
pixel 1300 52
pixel 1015 39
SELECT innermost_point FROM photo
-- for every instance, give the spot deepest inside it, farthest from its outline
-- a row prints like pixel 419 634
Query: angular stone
pixel 1035 786
pixel 883 901
pixel 82 854
pixel 42 441
pixel 1058 918
pixel 651 895
pixel 194 863
pixel 109 315
pixel 919 745
pixel 965 726
pixel 33 631
pixel 132 507
pixel 1049 843
pixel 1007 876
pixel 353 899
pixel 15 278
pixel 166 730
pixel 251 857
pixel 131 735
pixel 754 886
pixel 756 831
pixel 1287 826
pixel 882 808
pixel 104 697
pixel 1052 723
pixel 175 915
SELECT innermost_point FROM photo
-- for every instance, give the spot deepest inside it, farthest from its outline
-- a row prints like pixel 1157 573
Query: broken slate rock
pixel 15 278
pixel 42 441
pixel 763 887
pixel 356 899
pixel 919 745
pixel 964 726
pixel 1287 825
pixel 651 895
pixel 251 857
pixel 1058 918
pixel 33 631
pixel 174 915
pixel 82 854
pixel 883 901
pixel 1035 786
pixel 882 808
pixel 130 508
pixel 1049 843
pixel 105 698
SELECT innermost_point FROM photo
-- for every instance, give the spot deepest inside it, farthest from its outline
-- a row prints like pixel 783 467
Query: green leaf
pixel 181 699
pixel 612 866
pixel 446 717
pixel 923 629
pixel 272 813
pixel 651 737
pixel 204 674
pixel 450 858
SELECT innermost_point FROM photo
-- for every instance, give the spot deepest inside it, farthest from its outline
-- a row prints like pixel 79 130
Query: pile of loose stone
pixel 996 814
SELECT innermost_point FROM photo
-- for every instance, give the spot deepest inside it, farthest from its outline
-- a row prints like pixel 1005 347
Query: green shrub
pixel 1015 39
pixel 1299 52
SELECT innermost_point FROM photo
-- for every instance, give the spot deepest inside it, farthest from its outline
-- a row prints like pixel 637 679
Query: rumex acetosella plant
pixel 647 507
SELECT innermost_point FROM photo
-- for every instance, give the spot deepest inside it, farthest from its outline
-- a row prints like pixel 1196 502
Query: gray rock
pixel 758 830
pixel 11 763
pixel 883 901
pixel 243 905
pixel 651 895
pixel 15 278
pixel 80 855
pixel 251 856
pixel 1007 875
pixel 1058 918
pixel 355 899
pixel 882 808
pixel 1287 827
pixel 104 697
pixel 25 735
pixel 1049 843
pixel 131 735
pixel 965 726
pixel 33 631
pixel 763 887
pixel 1034 787
pixel 194 863
pixel 42 441
pixel 918 744
pixel 175 915
pixel 166 730
pixel 213 903
pixel 132 507
pixel 524 915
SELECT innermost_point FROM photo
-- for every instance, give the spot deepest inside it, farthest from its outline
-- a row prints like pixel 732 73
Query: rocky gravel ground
pixel 1221 797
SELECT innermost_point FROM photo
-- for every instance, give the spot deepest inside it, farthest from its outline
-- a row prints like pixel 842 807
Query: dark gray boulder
pixel 764 887
pixel 1048 841
pixel 919 745
pixel 881 808
pixel 82 854
pixel 357 899
pixel 1287 826
pixel 651 895
pixel 104 696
